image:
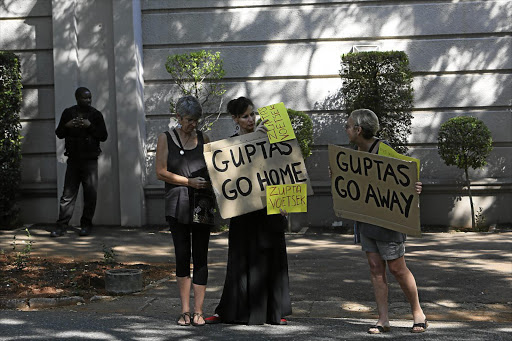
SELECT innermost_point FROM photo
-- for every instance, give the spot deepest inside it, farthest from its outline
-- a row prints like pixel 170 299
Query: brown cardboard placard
pixel 241 167
pixel 375 189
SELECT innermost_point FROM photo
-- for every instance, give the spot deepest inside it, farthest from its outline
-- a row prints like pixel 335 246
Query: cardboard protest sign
pixel 375 189
pixel 292 198
pixel 241 168
pixel 386 150
pixel 279 124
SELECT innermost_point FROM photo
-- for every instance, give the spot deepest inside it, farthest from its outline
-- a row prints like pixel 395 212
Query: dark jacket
pixel 82 143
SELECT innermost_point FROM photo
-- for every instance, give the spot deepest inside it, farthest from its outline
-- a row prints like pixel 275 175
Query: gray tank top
pixel 191 164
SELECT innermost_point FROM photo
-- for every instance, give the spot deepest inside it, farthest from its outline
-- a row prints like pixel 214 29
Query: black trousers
pixel 85 172
pixel 191 240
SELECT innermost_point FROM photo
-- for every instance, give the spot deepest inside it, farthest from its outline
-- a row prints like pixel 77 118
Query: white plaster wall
pixel 64 44
pixel 289 51
pixel 273 50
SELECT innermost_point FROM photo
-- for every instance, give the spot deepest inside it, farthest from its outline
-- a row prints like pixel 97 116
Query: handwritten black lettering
pixel 358 169
pixel 231 194
pixel 395 200
pixel 225 163
pixel 408 202
pixel 297 172
pixel 367 162
pixel 250 150
pixel 389 171
pixel 263 182
pixel 370 193
pixel 406 182
pixel 240 158
pixel 274 177
pixel 342 166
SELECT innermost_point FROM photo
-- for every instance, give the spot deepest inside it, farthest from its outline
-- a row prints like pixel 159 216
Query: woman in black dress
pixel 256 287
pixel 180 163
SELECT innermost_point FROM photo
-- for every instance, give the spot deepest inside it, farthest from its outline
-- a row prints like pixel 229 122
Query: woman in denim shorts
pixel 383 246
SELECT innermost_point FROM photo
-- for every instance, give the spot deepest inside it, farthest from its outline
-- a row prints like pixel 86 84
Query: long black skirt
pixel 256 288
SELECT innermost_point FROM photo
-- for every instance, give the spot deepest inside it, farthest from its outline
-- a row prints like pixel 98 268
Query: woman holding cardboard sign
pixel 383 246
pixel 180 164
pixel 256 286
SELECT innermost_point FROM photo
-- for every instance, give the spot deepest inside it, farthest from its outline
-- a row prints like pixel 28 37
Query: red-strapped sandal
pixel 214 319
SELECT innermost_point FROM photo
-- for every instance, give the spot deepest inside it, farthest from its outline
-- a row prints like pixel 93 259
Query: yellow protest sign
pixel 292 198
pixel 386 150
pixel 279 124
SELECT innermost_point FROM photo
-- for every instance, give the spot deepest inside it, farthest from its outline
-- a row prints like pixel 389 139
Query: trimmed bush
pixel 382 82
pixel 10 138
pixel 465 142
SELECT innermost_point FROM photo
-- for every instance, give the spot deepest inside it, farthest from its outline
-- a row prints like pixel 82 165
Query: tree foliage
pixel 197 74
pixel 303 128
pixel 10 137
pixel 381 82
pixel 465 142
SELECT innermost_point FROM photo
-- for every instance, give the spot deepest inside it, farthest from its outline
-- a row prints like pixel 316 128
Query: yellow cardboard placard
pixel 292 198
pixel 386 150
pixel 279 124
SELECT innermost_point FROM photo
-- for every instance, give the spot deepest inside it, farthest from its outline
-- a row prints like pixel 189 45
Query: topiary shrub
pixel 303 128
pixel 382 82
pixel 10 138
pixel 465 142
pixel 198 74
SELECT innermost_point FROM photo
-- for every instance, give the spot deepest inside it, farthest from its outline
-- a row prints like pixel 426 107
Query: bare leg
pixel 407 282
pixel 184 288
pixel 199 292
pixel 380 286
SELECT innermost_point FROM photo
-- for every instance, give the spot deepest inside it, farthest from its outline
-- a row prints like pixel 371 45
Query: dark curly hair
pixel 238 106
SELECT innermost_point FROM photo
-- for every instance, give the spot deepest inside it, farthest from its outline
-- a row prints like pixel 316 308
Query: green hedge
pixel 382 82
pixel 10 138
pixel 303 128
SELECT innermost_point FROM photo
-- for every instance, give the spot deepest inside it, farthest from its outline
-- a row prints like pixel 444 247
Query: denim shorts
pixel 387 250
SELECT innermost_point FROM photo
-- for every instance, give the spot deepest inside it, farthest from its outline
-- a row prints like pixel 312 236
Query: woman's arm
pixel 163 174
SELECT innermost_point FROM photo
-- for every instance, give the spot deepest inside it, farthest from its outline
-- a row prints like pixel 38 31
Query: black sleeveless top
pixel 190 165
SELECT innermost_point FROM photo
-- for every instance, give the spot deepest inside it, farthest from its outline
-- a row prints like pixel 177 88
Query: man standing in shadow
pixel 83 128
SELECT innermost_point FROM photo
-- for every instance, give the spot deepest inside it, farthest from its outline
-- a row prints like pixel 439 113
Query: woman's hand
pixel 261 127
pixel 198 183
pixel 419 186
pixel 283 212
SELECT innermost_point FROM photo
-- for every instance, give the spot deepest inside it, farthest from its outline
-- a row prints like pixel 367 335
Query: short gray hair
pixel 189 106
pixel 367 120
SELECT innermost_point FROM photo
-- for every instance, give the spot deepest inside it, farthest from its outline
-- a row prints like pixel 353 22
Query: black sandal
pixel 182 316
pixel 197 324
pixel 379 329
pixel 423 327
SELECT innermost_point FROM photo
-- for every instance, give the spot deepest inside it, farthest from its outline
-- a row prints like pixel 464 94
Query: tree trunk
pixel 470 199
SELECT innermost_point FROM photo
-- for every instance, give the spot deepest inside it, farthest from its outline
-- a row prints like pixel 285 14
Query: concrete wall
pixel 65 44
pixel 273 50
pixel 289 51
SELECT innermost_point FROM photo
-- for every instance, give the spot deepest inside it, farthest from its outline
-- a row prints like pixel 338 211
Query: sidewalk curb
pixel 51 302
